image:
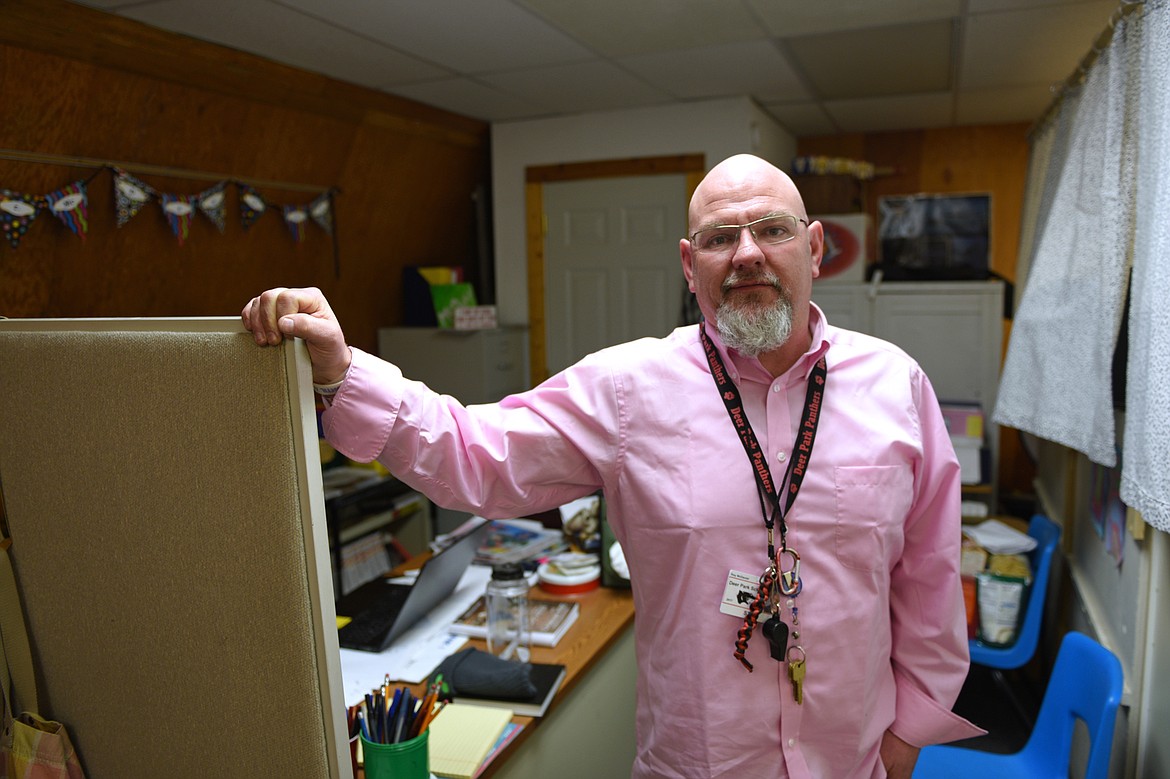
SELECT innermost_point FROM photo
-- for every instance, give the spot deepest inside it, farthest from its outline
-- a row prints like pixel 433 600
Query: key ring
pixel 796 648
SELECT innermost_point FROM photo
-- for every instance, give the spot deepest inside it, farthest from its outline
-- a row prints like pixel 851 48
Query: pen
pixel 404 709
pixel 389 714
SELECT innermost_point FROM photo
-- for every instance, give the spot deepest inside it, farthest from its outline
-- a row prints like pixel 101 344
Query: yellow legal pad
pixel 461 736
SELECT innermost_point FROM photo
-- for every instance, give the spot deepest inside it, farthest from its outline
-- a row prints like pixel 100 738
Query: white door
pixel 612 268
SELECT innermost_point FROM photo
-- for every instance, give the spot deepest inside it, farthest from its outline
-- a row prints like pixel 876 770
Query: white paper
pixel 998 538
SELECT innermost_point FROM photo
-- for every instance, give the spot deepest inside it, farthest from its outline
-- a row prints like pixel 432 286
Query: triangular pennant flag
pixel 294 219
pixel 178 209
pixel 130 195
pixel 321 210
pixel 70 204
pixel 252 205
pixel 17 212
pixel 213 203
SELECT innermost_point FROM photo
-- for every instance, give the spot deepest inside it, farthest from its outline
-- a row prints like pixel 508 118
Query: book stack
pixel 507 542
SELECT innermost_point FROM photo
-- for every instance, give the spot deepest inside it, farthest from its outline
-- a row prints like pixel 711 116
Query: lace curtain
pixel 1145 471
pixel 1096 216
pixel 1056 379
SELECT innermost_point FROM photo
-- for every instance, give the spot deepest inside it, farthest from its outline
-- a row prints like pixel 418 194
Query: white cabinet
pixel 953 329
pixel 472 366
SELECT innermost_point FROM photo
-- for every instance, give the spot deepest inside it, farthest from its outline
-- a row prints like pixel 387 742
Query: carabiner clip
pixel 788 581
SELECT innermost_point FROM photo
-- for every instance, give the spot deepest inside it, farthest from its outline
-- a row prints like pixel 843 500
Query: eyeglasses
pixel 722 239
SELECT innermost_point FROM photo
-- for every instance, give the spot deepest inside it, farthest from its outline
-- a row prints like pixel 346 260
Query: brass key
pixel 796 674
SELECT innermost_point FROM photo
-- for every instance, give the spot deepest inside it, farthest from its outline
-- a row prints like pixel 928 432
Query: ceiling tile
pixel 1008 104
pixel 802 119
pixel 883 61
pixel 753 67
pixel 790 18
pixel 1034 46
pixel 972 61
pixel 285 36
pixel 470 98
pixel 620 28
pixel 903 112
pixel 580 87
pixel 468 36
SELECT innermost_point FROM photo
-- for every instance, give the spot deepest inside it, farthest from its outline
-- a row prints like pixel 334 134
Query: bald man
pixel 785 493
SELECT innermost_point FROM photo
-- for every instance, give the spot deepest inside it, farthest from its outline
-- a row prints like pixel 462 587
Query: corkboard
pixel 162 490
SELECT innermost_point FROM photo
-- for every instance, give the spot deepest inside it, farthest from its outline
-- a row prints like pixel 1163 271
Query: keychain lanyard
pixel 770 501
pixel 774 580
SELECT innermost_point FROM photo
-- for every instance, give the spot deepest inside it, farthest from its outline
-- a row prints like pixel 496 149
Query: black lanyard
pixel 770 504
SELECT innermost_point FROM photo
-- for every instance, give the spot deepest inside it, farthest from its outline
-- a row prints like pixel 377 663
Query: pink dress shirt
pixel 876 524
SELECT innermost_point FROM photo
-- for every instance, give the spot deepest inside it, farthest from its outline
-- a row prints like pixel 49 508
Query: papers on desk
pixel 999 538
pixel 415 654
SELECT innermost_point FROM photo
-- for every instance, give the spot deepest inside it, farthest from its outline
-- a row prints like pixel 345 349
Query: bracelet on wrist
pixel 328 389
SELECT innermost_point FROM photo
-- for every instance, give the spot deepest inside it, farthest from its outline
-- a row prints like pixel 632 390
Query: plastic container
pixel 403 760
pixel 508 635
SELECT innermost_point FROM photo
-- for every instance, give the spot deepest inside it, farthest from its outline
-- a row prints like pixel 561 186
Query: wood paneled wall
pixel 991 159
pixel 81 83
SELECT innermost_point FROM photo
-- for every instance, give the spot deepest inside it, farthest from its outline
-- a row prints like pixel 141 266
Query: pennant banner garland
pixel 178 210
pixel 17 212
pixel 70 205
pixel 130 195
pixel 213 204
pixel 321 210
pixel 251 205
pixel 294 219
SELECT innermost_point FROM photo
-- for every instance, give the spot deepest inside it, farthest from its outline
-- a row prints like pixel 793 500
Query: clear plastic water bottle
pixel 507 613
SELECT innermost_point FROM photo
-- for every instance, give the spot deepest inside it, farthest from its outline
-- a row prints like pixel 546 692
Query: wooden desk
pixel 588 730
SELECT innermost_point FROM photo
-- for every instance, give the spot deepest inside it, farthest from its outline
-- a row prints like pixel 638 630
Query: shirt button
pixel 775 387
pixel 780 456
pixel 791 742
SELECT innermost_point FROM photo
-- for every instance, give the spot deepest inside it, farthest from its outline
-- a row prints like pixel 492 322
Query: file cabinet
pixel 473 366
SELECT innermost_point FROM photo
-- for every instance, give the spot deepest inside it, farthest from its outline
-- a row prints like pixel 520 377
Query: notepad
pixel 461 736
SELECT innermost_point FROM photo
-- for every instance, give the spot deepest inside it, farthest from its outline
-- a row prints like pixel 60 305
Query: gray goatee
pixel 751 328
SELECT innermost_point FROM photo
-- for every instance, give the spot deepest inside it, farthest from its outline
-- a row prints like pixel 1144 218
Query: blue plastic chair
pixel 1047 534
pixel 1086 684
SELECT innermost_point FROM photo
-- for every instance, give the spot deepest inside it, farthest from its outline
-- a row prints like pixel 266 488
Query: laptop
pixel 381 611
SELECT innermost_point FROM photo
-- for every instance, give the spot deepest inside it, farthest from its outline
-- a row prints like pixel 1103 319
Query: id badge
pixel 739 592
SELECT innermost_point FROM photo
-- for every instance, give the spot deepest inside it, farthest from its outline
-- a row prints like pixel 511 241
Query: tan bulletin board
pixel 162 488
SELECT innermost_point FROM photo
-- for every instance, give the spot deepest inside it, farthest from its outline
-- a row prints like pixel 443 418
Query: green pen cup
pixel 404 760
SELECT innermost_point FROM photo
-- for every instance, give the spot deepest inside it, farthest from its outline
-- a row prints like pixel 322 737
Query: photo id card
pixel 739 593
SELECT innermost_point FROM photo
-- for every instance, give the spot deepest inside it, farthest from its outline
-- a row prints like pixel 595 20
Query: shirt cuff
pixel 920 721
pixel 358 419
